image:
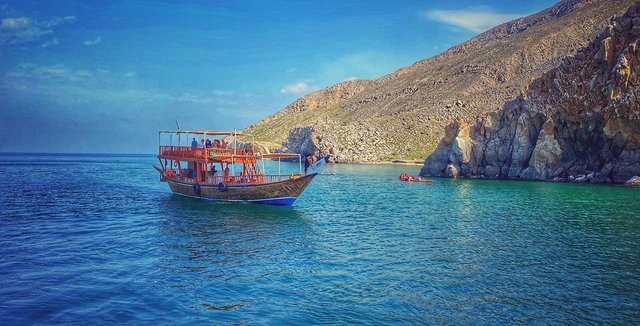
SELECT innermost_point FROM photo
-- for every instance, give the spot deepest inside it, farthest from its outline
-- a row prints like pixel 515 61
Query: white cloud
pixel 93 41
pixel 365 65
pixel 478 20
pixel 21 30
pixel 77 85
pixel 220 92
pixel 350 78
pixel 53 41
pixel 87 97
pixel 298 88
pixel 55 21
pixel 15 23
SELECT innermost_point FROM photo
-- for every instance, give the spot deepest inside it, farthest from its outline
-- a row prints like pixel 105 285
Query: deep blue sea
pixel 94 239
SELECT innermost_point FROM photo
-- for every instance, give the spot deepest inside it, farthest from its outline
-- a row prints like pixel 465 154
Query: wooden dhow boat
pixel 213 169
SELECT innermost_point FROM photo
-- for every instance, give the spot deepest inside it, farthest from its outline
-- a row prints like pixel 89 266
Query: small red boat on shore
pixel 409 178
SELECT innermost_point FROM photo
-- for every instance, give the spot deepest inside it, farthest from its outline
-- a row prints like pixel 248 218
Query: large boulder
pixel 633 182
pixel 545 161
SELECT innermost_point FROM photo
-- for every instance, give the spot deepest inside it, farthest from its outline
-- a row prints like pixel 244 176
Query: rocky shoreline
pixel 579 122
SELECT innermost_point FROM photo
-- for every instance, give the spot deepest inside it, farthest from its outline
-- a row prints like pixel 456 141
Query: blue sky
pixel 105 76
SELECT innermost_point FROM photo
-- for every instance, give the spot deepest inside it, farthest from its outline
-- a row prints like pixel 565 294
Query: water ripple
pixel 112 245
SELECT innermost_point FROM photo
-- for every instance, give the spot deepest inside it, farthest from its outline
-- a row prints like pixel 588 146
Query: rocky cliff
pixel 402 115
pixel 578 122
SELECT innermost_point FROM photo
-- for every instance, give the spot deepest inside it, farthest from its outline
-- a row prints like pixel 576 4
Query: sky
pixel 105 76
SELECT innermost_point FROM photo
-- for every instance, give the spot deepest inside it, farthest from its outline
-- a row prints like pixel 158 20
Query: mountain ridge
pixel 401 115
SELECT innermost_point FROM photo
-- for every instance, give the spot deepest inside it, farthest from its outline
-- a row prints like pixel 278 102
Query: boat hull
pixel 283 193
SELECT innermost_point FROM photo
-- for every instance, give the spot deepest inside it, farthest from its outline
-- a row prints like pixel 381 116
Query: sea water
pixel 98 239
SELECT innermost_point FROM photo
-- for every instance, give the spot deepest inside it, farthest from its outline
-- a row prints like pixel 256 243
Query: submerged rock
pixel 578 122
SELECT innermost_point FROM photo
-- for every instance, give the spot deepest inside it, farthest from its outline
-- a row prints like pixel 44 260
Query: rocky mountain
pixel 578 122
pixel 402 115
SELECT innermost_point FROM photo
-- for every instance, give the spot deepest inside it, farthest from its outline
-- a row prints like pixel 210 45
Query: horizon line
pixel 73 153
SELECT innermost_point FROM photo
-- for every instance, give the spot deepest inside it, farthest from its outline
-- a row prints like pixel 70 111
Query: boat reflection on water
pixel 184 211
pixel 214 249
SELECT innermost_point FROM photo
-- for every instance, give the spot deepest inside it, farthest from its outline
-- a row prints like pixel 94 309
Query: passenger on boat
pixel 213 170
pixel 408 177
pixel 307 163
pixel 227 174
pixel 201 144
pixel 207 143
pixel 194 143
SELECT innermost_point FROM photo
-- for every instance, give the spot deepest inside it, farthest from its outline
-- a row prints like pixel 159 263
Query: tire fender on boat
pixel 196 189
pixel 222 187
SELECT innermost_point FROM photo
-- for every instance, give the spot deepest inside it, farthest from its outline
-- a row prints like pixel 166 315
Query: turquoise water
pixel 95 239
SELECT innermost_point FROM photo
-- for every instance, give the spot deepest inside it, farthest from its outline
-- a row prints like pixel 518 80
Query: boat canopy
pixel 217 155
pixel 203 132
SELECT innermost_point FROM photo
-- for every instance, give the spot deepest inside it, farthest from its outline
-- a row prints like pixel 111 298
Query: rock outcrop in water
pixel 633 182
pixel 407 110
pixel 578 122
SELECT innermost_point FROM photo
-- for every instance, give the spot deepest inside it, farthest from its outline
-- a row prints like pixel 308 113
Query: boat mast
pixel 233 170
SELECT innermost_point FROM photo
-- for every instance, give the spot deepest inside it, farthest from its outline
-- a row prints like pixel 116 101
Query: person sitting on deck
pixel 216 143
pixel 194 143
pixel 201 144
pixel 207 143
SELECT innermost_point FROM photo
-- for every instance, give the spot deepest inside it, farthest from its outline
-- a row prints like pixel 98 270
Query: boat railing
pixel 182 179
pixel 192 152
pixel 214 180
pixel 255 179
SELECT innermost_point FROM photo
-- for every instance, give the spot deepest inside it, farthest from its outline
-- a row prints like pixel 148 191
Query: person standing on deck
pixel 201 147
pixel 227 174
pixel 203 172
pixel 194 143
pixel 307 163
